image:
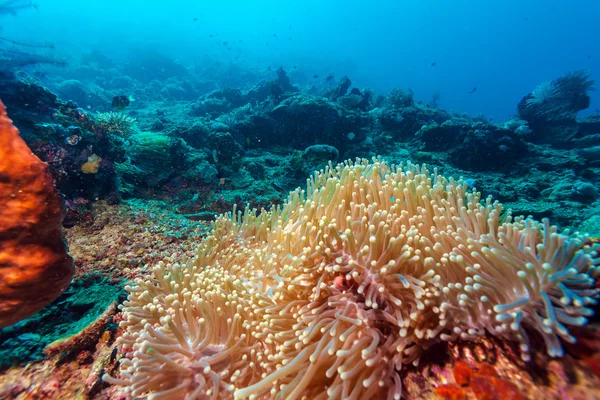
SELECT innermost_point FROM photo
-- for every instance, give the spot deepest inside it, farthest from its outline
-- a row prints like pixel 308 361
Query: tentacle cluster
pixel 329 296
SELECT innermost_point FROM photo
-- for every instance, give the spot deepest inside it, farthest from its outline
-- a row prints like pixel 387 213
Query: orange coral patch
pixel 507 390
pixel 483 388
pixel 486 370
pixel 462 373
pixel 450 392
pixel 34 265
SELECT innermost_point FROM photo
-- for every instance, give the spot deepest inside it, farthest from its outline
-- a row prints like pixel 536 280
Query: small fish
pixel 120 102
pixel 315 76
pixel 351 136
pixel 294 67
pixel 473 90
pixel 274 35
pixel 278 187
pixel 330 77
pixel 433 64
pixel 225 43
pixel 195 19
pixel 72 140
pixel 211 35
pixel 269 68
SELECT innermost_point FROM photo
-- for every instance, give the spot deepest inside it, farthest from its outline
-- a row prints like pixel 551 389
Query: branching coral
pixel 330 296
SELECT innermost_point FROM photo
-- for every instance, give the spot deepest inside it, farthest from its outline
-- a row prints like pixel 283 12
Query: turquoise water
pixel 504 48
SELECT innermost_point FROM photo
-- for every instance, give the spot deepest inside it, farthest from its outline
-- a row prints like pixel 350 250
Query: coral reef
pixel 337 292
pixel 99 246
pixel 200 140
pixel 195 151
pixel 489 369
pixel 123 239
pixel 63 350
pixel 474 146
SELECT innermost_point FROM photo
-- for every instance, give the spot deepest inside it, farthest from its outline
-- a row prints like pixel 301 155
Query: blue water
pixel 503 48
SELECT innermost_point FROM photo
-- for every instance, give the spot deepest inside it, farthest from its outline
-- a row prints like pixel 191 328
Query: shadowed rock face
pixel 34 265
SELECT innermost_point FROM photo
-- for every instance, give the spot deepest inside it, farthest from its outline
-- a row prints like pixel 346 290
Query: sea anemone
pixel 331 295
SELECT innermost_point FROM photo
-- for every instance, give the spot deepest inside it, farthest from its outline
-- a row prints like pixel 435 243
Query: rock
pixel 585 191
pixel 316 157
pixel 591 153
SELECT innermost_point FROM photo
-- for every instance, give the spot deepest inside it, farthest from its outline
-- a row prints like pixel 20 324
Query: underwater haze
pixel 501 48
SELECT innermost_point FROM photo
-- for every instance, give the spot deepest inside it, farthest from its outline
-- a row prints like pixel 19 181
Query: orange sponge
pixel 34 265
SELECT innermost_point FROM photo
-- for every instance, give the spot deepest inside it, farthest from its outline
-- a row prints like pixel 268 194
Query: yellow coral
pixel 331 295
pixel 92 165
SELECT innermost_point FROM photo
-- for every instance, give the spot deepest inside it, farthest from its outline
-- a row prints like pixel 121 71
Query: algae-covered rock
pixel 79 306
